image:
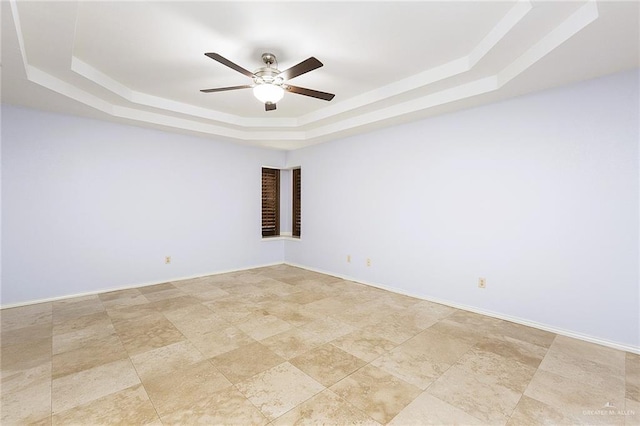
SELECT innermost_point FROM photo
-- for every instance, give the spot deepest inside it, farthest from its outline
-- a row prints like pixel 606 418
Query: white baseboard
pixel 137 285
pixel 517 320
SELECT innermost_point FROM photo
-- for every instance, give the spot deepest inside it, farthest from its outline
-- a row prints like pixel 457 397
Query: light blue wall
pixel 538 194
pixel 89 205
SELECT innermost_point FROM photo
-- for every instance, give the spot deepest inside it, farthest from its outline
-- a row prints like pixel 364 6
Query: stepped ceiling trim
pixel 345 116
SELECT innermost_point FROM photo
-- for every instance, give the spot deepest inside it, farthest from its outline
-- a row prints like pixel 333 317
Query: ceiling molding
pixel 450 69
pixel 103 80
pixel 381 104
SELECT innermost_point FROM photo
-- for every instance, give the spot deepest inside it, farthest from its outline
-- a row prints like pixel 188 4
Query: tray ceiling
pixel 387 62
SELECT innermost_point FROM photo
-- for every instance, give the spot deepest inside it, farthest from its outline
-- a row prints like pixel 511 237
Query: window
pixel 281 201
pixel 296 215
pixel 270 202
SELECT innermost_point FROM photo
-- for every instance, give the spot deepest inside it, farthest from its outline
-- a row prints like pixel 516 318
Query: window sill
pixel 281 238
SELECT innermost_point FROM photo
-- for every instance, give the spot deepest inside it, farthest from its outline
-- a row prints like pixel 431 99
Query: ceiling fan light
pixel 268 93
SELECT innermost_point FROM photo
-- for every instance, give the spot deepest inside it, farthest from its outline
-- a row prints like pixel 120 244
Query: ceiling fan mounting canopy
pixel 269 59
pixel 269 83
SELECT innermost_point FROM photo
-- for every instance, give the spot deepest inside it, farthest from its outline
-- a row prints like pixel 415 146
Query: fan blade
pixel 225 61
pixel 303 67
pixel 224 89
pixel 310 92
pixel 269 106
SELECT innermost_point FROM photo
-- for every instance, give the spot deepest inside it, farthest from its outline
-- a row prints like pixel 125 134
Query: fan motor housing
pixel 267 75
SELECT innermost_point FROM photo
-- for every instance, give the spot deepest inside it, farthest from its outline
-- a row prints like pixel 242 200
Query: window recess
pixel 281 202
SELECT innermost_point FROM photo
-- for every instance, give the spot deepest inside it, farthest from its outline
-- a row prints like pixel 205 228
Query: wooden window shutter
pixel 270 202
pixel 297 214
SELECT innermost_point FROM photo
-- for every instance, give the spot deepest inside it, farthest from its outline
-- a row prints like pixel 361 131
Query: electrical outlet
pixel 167 259
pixel 348 258
pixel 368 262
pixel 482 282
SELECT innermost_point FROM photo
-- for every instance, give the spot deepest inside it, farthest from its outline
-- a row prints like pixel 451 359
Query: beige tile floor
pixel 282 346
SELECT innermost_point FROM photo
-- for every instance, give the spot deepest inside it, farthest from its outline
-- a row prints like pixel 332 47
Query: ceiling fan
pixel 269 83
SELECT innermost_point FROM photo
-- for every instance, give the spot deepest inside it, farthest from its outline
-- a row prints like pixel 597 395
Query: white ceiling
pixel 387 62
